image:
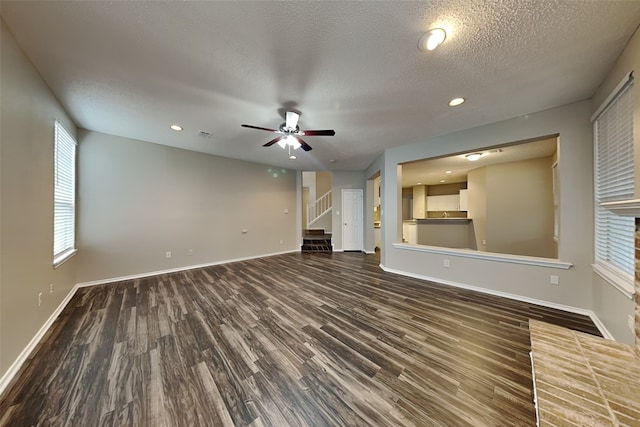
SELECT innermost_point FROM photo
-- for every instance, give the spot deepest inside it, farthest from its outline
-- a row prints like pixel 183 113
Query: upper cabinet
pixel 419 199
pixel 464 200
pixel 449 202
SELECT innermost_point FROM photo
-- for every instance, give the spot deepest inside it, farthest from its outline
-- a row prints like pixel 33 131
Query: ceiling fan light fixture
pixel 291 120
pixel 432 39
pixel 291 141
pixel 473 156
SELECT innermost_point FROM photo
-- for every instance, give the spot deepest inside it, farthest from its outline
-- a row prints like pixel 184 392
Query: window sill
pixel 488 256
pixel 64 257
pixel 621 282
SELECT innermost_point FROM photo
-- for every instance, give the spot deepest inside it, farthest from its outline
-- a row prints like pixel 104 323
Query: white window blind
pixel 64 205
pixel 613 132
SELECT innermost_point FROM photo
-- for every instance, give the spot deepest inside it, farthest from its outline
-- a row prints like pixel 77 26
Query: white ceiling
pixel 133 68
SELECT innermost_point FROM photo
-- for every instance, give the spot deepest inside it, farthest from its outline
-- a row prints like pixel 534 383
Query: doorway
pixel 352 219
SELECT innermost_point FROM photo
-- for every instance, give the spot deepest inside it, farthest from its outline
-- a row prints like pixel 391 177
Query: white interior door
pixel 352 220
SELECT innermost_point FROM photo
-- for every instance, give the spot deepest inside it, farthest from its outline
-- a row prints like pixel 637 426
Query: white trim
pixel 535 393
pixel 487 256
pixel 627 77
pixel 177 269
pixel 624 207
pixel 603 330
pixel 601 327
pixel 26 352
pixel 64 257
pixel 615 279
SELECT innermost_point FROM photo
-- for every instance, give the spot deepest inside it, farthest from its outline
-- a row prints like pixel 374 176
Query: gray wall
pixel 27 113
pixel 571 122
pixel 520 208
pixel 137 201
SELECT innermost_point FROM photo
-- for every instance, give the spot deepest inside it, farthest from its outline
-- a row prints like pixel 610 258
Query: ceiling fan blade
pixel 273 141
pixel 304 145
pixel 327 132
pixel 291 119
pixel 259 128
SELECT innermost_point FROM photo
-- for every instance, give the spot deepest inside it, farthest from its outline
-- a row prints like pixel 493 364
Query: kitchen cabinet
pixel 410 232
pixel 419 208
pixel 464 200
pixel 448 202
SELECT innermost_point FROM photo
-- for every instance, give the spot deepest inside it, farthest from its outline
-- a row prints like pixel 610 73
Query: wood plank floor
pixel 289 340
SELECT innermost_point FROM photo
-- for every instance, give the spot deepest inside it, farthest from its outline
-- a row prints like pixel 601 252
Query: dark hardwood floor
pixel 289 340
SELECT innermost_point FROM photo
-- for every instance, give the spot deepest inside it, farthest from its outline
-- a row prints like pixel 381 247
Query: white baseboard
pixel 26 352
pixel 601 327
pixel 603 330
pixel 177 269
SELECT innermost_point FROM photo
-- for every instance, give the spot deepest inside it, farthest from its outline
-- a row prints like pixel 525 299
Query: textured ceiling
pixel 133 68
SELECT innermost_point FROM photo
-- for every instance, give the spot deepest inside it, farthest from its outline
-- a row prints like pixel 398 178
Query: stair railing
pixel 318 208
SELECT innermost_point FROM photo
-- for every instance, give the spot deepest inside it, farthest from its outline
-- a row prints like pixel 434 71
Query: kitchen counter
pixel 450 232
pixel 443 220
pixel 583 380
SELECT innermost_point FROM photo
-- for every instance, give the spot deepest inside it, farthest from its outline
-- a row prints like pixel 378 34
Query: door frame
pixel 359 209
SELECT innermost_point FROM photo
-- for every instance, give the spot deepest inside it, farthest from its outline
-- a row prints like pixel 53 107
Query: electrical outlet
pixel 39 299
pixel 281 241
pixel 446 263
pixel 50 288
pixel 554 280
pixel 190 252
pixel 167 254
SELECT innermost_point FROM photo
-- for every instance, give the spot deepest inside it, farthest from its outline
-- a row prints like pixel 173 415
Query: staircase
pixel 319 208
pixel 315 240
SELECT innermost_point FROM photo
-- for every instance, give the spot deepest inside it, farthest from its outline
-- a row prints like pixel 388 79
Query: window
pixel 64 204
pixel 614 181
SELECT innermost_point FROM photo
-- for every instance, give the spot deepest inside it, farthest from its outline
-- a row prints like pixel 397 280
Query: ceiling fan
pixel 290 133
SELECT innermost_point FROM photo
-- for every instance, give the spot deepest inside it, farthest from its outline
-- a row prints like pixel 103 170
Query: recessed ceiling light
pixel 292 157
pixel 418 183
pixel 432 39
pixel 177 128
pixel 455 102
pixel 448 172
pixel 442 180
pixel 473 156
pixel 332 161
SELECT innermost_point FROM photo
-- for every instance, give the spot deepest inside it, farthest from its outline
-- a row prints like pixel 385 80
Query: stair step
pixel 315 232
pixel 318 243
